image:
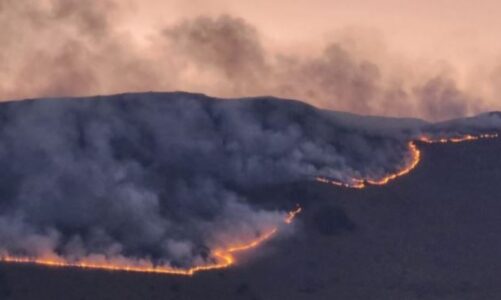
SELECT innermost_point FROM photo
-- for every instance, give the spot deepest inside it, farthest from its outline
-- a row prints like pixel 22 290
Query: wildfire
pixel 226 257
pixel 413 162
pixel 223 258
pixel 415 158
pixel 460 139
pixel 359 183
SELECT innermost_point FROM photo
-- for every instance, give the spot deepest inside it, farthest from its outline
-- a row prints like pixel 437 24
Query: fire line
pixel 224 258
pixel 415 158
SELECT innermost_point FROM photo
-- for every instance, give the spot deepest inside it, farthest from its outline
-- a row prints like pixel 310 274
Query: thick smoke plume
pixel 166 177
pixel 69 48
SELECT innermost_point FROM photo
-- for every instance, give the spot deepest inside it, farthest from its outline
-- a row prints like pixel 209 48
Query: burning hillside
pixel 159 182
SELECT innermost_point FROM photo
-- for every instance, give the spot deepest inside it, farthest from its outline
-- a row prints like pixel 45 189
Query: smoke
pixel 227 46
pixel 56 47
pixel 115 179
pixel 168 178
pixel 70 48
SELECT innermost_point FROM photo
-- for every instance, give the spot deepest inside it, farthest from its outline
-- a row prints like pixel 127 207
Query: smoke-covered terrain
pixel 169 177
pixel 165 176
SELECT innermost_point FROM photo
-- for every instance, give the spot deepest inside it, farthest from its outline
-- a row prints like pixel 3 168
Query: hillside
pixel 173 177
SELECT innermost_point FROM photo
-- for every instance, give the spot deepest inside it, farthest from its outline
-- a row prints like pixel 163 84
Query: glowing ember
pixel 354 184
pixel 292 214
pixel 459 139
pixel 415 157
pixel 223 258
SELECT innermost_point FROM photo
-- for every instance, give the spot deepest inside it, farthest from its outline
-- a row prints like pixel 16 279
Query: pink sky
pixel 432 59
pixel 462 28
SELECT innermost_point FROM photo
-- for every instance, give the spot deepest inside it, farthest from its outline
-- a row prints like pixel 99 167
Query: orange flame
pixel 354 184
pixel 415 158
pixel 292 214
pixel 459 139
pixel 414 161
pixel 223 258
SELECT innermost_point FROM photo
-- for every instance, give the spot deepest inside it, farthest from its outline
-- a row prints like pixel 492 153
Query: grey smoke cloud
pixel 227 44
pixel 69 48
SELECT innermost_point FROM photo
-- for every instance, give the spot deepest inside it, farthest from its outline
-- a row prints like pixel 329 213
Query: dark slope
pixel 433 234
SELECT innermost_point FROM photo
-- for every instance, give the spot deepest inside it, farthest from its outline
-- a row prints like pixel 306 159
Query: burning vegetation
pixel 413 160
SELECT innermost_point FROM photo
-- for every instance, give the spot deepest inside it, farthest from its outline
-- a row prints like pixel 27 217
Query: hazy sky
pixel 432 59
pixel 421 28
